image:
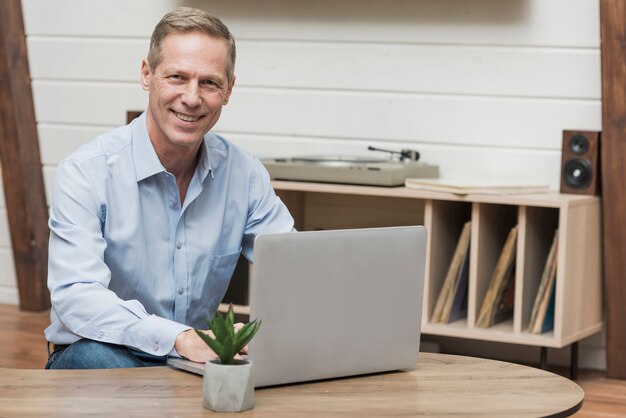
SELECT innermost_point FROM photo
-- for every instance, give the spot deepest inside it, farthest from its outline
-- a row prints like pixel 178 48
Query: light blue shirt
pixel 128 263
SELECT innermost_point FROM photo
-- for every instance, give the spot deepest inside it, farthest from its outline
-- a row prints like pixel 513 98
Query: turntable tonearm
pixel 352 169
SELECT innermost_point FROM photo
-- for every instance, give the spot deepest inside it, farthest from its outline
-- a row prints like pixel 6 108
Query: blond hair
pixel 188 19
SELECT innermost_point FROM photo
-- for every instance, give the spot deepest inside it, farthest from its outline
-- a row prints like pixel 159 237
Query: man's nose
pixel 191 95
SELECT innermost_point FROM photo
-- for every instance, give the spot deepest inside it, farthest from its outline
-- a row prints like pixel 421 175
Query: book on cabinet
pixel 452 301
pixel 465 186
pixel 498 301
pixel 542 314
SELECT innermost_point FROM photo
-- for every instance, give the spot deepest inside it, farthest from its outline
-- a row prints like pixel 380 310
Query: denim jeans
pixel 89 354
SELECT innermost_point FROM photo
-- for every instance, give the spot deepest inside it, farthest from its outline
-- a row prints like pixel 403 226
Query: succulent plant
pixel 228 343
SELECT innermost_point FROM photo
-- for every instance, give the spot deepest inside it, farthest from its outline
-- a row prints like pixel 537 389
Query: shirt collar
pixel 215 154
pixel 204 162
pixel 147 161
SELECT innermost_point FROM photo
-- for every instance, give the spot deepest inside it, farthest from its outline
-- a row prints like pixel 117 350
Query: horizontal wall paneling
pixel 487 22
pixel 439 69
pixel 500 122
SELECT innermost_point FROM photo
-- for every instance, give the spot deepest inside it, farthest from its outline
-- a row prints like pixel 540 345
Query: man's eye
pixel 175 77
pixel 211 85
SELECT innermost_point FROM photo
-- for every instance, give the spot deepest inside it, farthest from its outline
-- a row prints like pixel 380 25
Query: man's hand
pixel 190 346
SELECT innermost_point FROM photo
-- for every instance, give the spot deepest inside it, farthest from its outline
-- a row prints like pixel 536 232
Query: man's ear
pixel 145 74
pixel 230 90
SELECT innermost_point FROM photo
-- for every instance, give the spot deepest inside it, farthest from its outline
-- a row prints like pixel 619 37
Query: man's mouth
pixel 186 118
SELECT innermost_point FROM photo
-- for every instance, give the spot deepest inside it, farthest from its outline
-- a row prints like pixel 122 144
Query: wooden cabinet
pixel 578 292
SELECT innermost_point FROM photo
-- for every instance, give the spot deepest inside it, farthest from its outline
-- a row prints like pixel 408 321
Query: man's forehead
pixel 198 54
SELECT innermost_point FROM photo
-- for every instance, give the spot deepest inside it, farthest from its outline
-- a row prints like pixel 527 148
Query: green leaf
pixel 218 326
pixel 228 353
pixel 230 320
pixel 245 334
pixel 214 345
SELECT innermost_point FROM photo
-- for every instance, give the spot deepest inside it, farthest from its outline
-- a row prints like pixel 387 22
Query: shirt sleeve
pixel 267 213
pixel 78 277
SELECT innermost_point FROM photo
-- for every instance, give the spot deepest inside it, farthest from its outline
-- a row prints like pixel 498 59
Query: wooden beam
pixel 613 151
pixel 21 163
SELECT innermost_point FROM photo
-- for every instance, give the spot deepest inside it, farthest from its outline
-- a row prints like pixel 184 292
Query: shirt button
pixel 100 335
pixel 155 347
pixel 180 290
pixel 179 245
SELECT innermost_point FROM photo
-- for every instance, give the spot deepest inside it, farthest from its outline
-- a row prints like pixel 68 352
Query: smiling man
pixel 147 222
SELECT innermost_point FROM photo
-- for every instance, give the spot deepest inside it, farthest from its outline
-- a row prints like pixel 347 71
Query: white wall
pixel 480 87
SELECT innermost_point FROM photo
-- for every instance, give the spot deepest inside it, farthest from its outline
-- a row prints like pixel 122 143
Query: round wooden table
pixel 442 385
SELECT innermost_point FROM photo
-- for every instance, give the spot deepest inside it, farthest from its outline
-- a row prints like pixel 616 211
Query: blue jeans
pixel 89 354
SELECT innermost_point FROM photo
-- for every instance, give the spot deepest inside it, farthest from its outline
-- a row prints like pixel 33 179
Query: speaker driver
pixel 579 144
pixel 577 173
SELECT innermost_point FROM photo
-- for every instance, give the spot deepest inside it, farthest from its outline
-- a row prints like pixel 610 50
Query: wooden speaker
pixel 132 114
pixel 580 162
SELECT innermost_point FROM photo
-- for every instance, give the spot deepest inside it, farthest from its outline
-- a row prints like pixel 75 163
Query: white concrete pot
pixel 228 388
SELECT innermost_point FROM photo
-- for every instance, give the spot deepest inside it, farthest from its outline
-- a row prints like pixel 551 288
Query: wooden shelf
pixel 550 199
pixel 237 309
pixel 578 291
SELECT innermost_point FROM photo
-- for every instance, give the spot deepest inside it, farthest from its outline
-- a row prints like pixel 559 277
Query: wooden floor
pixel 22 345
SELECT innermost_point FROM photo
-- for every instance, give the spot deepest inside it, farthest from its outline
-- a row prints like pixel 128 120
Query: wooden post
pixel 21 163
pixel 613 151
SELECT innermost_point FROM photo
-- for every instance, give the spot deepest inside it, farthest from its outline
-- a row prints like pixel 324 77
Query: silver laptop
pixel 335 303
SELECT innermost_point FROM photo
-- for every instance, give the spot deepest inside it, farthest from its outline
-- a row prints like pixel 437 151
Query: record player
pixel 362 170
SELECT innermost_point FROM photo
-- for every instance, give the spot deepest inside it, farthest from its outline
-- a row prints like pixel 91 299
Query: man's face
pixel 187 90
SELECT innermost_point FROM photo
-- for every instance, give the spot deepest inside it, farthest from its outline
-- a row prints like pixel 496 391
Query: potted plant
pixel 228 384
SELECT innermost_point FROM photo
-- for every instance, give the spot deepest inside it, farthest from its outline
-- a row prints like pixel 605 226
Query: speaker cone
pixel 579 144
pixel 577 172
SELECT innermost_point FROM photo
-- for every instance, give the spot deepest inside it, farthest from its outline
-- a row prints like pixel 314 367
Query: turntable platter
pixel 337 160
